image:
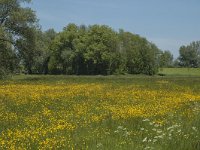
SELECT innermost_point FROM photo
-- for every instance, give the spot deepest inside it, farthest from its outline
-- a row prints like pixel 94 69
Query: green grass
pixel 23 123
pixel 180 71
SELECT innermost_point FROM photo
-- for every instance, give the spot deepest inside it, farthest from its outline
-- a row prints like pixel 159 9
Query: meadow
pixel 100 112
pixel 180 71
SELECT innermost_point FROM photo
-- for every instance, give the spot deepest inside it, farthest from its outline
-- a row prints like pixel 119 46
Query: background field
pixel 180 71
pixel 100 112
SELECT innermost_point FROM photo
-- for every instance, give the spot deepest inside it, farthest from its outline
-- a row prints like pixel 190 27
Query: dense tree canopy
pixel 140 55
pixel 17 34
pixel 190 55
pixel 98 49
pixel 166 59
pixel 16 20
pixel 8 57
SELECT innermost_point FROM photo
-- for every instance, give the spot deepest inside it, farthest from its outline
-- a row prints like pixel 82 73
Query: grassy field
pixel 114 112
pixel 180 71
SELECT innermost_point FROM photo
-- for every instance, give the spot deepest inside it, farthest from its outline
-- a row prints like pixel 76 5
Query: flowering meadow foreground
pixel 66 112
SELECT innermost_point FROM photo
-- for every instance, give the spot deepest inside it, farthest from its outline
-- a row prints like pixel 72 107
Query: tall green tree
pixel 102 52
pixel 16 20
pixel 8 57
pixel 26 47
pixel 141 55
pixel 63 50
pixel 190 55
pixel 18 25
pixel 166 59
pixel 43 50
pixel 79 64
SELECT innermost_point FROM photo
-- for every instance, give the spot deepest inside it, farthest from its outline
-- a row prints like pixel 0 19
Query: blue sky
pixel 167 23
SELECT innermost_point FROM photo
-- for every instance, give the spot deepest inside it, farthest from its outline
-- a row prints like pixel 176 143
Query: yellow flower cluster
pixel 46 115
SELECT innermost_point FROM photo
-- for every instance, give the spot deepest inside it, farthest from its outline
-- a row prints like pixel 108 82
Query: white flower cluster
pixel 122 131
pixel 157 132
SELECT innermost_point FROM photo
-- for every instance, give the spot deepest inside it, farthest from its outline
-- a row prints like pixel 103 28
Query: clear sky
pixel 167 23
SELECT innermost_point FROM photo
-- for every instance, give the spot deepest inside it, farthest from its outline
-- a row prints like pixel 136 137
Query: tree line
pixel 79 50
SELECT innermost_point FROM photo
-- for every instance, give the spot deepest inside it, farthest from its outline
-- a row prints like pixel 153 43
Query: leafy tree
pixel 141 55
pixel 166 59
pixel 102 50
pixel 16 20
pixel 26 48
pixel 17 24
pixel 79 64
pixel 190 55
pixel 43 49
pixel 8 58
pixel 63 50
pixel 149 54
